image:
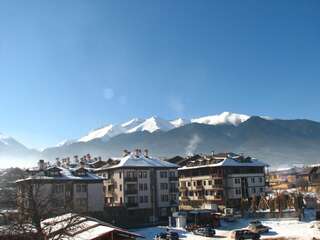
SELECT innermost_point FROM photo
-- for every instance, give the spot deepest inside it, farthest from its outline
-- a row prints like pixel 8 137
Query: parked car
pixel 257 227
pixel 166 236
pixel 205 231
pixel 242 234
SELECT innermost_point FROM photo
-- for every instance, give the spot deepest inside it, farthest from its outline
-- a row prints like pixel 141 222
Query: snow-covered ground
pixel 287 228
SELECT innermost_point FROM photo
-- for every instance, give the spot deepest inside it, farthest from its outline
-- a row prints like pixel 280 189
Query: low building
pixel 142 187
pixel 76 227
pixel 58 189
pixel 211 182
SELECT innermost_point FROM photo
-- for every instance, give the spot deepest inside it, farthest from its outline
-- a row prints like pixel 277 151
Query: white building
pixel 146 187
pixel 60 189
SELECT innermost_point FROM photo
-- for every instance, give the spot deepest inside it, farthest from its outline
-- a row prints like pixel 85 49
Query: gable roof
pixel 132 160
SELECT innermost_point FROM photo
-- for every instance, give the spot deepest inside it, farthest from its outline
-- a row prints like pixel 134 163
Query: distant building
pixel 61 188
pixel 220 181
pixel 146 187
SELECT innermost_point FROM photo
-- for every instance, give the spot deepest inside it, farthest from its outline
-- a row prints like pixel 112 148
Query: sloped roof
pixel 65 174
pixel 230 162
pixel 132 160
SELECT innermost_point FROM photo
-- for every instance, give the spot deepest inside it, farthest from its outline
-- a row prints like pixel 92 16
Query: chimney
pixel 146 153
pixel 76 158
pixel 81 164
pixel 68 161
pixel 137 152
pixel 99 158
pixel 41 164
pixel 88 157
pixel 212 153
pixel 125 152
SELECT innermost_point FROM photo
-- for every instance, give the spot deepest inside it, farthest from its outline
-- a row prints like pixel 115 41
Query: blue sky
pixel 69 66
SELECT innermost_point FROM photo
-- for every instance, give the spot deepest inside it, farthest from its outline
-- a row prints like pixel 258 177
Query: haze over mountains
pixel 278 142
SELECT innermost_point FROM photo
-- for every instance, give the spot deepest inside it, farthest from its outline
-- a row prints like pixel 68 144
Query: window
pixel 194 184
pixel 141 199
pixel 189 184
pixel 204 182
pixel 237 180
pixel 141 187
pixel 81 188
pixel 260 179
pixel 120 175
pixel 163 174
pixel 209 182
pixel 261 189
pixel 253 190
pixel 145 198
pixel 163 186
pixel 145 174
pixel 252 180
pixel 238 191
pixel 164 198
pixel 120 187
pixel 58 188
pixel 145 187
pixel 172 174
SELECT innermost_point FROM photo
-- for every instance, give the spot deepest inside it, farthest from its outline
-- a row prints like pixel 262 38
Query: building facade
pixel 58 189
pixel 211 182
pixel 146 187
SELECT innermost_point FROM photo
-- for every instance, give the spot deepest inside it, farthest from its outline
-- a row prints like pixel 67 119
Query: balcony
pixel 199 187
pixel 183 188
pixel 173 178
pixel 131 179
pixel 184 198
pixel 109 181
pixel 173 190
pixel 132 204
pixel 131 191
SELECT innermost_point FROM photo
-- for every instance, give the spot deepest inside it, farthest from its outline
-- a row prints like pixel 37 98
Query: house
pixel 141 187
pixel 76 227
pixel 223 181
pixel 58 189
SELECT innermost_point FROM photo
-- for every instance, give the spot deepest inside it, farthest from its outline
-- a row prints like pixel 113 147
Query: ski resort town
pixel 217 195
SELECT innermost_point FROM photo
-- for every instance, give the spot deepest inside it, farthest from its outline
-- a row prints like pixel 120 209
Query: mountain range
pixel 275 141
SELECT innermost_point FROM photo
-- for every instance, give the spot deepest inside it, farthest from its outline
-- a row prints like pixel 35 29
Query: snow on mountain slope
pixel 223 118
pixel 132 123
pixel 65 142
pixel 103 133
pixel 153 124
pixel 9 141
pixel 180 122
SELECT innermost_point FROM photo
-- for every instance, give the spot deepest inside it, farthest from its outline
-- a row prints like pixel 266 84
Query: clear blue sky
pixel 69 66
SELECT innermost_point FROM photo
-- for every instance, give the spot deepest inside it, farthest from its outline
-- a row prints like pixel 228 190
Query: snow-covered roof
pixel 79 227
pixel 65 174
pixel 230 162
pixel 133 160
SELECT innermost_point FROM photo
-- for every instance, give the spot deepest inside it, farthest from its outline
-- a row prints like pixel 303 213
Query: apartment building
pixel 146 187
pixel 215 181
pixel 58 189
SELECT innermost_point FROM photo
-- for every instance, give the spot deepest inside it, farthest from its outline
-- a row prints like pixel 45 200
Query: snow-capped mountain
pixel 153 124
pixel 180 122
pixel 223 118
pixel 9 141
pixel 66 142
pixel 103 133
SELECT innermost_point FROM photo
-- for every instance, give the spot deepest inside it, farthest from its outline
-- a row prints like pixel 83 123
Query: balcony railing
pixel 131 179
pixel 131 191
pixel 173 190
pixel 173 178
pixel 132 204
pixel 183 188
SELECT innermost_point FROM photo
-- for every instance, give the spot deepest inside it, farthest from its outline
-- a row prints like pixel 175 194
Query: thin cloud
pixel 176 105
pixel 108 93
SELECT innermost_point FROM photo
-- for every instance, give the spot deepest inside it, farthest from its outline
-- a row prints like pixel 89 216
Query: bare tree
pixel 39 206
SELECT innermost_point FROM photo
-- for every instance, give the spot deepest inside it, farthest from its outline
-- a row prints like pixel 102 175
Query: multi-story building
pixel 211 182
pixel 58 189
pixel 146 187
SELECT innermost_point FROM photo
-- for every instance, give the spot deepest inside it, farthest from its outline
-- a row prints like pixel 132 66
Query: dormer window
pixel 80 172
pixel 53 172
